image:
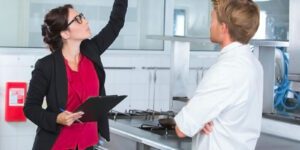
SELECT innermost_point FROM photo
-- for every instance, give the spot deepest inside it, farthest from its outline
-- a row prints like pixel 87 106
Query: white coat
pixel 231 95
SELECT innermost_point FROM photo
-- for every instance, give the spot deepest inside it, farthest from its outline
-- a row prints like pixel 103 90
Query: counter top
pixel 270 142
pixel 129 129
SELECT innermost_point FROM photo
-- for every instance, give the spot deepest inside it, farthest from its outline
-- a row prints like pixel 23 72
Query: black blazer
pixel 49 79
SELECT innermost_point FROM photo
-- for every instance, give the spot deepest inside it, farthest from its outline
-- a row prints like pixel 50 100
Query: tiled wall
pixel 137 84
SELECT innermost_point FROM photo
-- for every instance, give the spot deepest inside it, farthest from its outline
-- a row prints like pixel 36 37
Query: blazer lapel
pixel 60 79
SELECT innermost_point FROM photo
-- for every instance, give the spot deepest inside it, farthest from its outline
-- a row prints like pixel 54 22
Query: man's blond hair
pixel 240 16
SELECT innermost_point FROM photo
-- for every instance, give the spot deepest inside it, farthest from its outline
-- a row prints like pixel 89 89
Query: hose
pixel 283 89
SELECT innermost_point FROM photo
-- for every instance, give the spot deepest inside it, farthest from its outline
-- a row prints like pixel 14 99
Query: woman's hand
pixel 67 118
pixel 207 129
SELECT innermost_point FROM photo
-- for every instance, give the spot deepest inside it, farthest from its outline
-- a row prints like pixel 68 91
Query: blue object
pixel 281 92
pixel 101 142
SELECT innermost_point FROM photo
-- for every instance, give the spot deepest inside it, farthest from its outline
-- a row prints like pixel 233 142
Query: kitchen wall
pixel 14 67
pixel 16 64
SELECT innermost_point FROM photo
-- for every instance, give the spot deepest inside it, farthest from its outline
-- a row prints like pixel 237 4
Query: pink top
pixel 82 84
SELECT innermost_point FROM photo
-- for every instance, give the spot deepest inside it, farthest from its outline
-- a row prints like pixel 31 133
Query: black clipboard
pixel 96 107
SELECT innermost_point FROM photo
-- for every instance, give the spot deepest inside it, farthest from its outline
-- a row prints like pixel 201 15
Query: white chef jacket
pixel 231 95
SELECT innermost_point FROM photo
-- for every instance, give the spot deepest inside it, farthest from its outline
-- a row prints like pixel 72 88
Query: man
pixel 231 93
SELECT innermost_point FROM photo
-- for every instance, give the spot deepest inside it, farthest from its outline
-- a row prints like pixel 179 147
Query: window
pixel 274 23
pixel 22 20
pixel 274 19
pixel 197 21
pixel 179 22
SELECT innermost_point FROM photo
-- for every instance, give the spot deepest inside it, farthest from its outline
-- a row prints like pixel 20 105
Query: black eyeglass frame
pixel 78 18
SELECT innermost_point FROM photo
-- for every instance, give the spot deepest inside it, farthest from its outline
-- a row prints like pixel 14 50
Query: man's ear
pixel 224 28
pixel 65 34
pixel 225 32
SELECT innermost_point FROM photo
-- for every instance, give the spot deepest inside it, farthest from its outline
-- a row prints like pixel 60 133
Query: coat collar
pixel 231 47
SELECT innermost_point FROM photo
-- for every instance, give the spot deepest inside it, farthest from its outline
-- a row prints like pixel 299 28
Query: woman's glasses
pixel 77 18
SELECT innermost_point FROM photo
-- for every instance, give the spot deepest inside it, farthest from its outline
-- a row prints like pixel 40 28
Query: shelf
pixel 294 77
pixel 265 43
pixel 179 38
pixel 270 43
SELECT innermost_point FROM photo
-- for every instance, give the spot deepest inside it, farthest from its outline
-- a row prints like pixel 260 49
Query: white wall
pixel 14 67
pixel 17 64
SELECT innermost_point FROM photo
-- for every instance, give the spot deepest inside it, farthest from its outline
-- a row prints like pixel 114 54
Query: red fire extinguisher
pixel 14 101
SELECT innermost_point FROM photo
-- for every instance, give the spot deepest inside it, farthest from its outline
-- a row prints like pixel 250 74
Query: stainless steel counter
pixel 129 129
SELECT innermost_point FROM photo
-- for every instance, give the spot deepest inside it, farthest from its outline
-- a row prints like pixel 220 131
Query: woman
pixel 68 76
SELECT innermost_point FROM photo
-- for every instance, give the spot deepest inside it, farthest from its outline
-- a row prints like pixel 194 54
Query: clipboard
pixel 96 107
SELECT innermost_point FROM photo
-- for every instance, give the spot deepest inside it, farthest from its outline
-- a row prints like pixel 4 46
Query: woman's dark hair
pixel 55 21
